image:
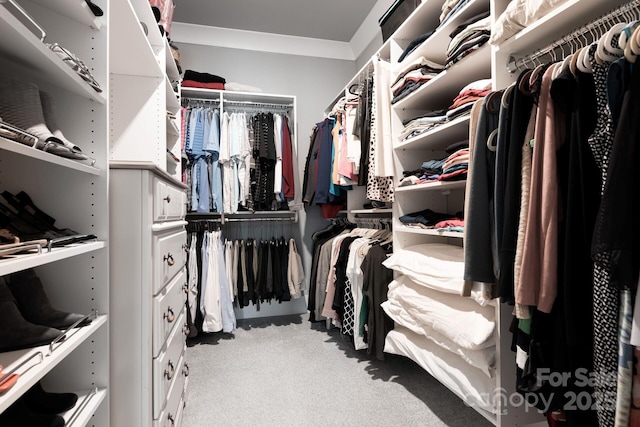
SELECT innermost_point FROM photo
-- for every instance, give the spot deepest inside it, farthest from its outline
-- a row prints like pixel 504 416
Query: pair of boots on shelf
pixel 38 408
pixel 27 108
pixel 23 226
pixel 27 318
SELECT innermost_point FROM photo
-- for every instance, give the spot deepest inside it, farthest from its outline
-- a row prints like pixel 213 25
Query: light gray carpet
pixel 285 371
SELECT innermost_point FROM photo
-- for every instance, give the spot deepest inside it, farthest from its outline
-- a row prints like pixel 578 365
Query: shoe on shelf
pixel 20 415
pixel 43 402
pixel 33 303
pixel 33 216
pixel 21 106
pixel 50 119
pixel 16 333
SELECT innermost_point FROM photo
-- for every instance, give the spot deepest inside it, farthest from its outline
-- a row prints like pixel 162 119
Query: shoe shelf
pixel 130 37
pixel 88 403
pixel 172 128
pixel 24 150
pixel 430 186
pixel 76 10
pixel 440 91
pixel 172 68
pixel 173 104
pixel 39 361
pixel 37 60
pixel 371 211
pixel 428 232
pixel 438 138
pixel 14 263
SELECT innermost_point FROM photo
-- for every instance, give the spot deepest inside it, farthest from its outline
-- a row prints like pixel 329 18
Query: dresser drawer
pixel 168 307
pixel 172 412
pixel 169 257
pixel 165 367
pixel 169 201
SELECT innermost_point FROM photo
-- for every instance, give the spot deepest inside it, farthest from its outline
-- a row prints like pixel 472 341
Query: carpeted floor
pixel 285 371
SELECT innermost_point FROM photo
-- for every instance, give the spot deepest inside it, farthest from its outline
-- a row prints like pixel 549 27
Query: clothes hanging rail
pixel 259 219
pixel 582 37
pixel 257 104
pixel 188 101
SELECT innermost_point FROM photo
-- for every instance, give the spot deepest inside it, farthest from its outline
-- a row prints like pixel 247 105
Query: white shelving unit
pixel 147 209
pixel 142 90
pixel 76 277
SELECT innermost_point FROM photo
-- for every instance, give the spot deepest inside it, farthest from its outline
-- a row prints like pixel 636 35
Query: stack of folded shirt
pixel 468 95
pixel 425 219
pixel 456 166
pixel 468 37
pixel 424 123
pixel 453 224
pixel 414 44
pixel 412 76
pixel 429 172
pixel 450 8
pixel 202 80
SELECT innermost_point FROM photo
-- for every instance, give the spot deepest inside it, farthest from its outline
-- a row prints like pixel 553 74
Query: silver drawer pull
pixel 185 288
pixel 169 315
pixel 169 259
pixel 170 418
pixel 167 199
pixel 186 248
pixel 185 370
pixel 168 374
pixel 186 330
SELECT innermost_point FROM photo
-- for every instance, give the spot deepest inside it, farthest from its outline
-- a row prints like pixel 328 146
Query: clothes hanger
pixel 566 59
pixel 629 52
pixel 605 51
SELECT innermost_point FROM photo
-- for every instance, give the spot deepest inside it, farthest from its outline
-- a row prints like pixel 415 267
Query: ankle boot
pixel 15 332
pixel 19 415
pixel 42 402
pixel 34 303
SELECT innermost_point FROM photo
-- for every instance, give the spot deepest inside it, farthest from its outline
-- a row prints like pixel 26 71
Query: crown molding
pixel 263 42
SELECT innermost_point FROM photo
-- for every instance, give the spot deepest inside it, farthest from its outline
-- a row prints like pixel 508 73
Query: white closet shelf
pixel 555 24
pixel 172 68
pixel 34 369
pixel 129 37
pixel 173 104
pixel 92 403
pixel 73 9
pixel 14 263
pixel 429 186
pixel 371 211
pixel 440 137
pixel 428 232
pixel 37 60
pixel 192 92
pixel 440 91
pixel 23 150
pixel 435 47
pixel 172 128
pixel 143 13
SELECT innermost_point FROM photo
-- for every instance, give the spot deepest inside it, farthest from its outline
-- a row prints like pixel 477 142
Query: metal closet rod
pixel 257 104
pixel 624 13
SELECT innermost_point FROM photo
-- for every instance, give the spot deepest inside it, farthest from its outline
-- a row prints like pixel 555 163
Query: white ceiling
pixel 321 19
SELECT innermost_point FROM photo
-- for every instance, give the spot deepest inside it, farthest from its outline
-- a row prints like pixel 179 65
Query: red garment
pixel 288 184
pixel 329 210
pixel 453 176
pixel 454 222
pixel 200 85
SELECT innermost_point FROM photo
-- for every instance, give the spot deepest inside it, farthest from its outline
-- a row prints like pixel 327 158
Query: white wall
pixel 314 81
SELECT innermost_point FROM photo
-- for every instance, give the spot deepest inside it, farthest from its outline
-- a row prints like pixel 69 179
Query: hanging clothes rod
pixel 257 104
pixel 579 38
pixel 259 219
